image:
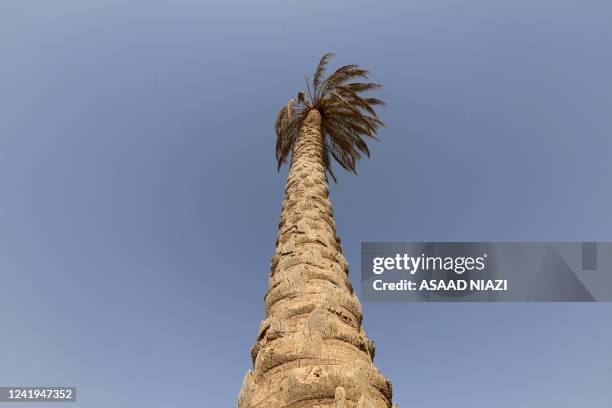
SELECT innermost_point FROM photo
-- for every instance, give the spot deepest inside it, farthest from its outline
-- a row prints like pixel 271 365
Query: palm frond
pixel 316 81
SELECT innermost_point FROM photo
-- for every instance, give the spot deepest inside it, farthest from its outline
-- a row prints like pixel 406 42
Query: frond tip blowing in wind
pixel 347 117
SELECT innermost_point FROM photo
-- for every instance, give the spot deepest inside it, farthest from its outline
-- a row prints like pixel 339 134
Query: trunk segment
pixel 311 350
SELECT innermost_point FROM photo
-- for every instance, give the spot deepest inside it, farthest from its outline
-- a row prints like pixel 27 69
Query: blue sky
pixel 140 201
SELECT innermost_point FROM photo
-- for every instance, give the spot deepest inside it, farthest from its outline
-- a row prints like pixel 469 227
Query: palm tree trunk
pixel 311 350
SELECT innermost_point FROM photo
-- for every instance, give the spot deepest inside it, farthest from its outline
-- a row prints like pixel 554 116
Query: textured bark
pixel 311 350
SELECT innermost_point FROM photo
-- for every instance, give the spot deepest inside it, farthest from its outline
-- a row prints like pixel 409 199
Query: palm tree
pixel 311 350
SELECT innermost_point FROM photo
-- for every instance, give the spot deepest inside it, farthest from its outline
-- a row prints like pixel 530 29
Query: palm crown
pixel 347 118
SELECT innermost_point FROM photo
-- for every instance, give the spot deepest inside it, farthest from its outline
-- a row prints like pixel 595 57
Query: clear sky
pixel 139 199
